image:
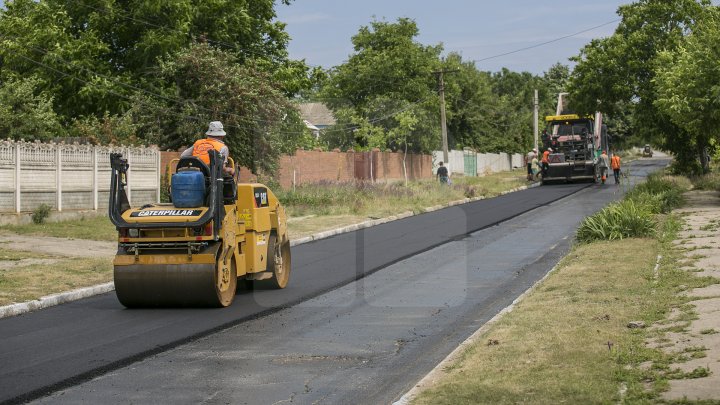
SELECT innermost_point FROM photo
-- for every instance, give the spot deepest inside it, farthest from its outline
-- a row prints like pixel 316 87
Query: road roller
pixel 194 251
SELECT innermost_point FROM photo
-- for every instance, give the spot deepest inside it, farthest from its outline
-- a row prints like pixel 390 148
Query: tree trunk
pixel 704 158
pixel 405 166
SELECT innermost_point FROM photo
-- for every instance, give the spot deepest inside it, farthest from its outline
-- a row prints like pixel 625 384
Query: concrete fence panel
pixel 71 177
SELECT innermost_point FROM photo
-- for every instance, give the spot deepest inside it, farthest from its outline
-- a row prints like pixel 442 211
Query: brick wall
pixel 306 167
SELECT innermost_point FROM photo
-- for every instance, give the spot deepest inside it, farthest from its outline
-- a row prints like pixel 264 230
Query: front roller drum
pixel 176 285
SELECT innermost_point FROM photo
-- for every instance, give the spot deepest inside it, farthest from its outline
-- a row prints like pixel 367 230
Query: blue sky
pixel 321 29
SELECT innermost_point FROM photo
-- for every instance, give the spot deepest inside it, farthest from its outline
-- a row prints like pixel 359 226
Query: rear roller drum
pixel 225 282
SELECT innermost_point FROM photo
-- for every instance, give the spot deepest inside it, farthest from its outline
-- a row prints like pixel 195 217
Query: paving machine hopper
pixel 194 251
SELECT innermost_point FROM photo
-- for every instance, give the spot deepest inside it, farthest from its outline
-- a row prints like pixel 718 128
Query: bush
pixel 40 214
pixel 661 194
pixel 624 219
pixel 710 182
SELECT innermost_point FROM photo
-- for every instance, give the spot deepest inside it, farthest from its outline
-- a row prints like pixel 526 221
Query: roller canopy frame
pixel 119 202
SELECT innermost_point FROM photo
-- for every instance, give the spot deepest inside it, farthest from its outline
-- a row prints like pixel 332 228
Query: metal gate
pixel 470 158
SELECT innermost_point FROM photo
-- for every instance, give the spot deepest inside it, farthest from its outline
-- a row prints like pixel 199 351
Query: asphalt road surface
pixel 363 341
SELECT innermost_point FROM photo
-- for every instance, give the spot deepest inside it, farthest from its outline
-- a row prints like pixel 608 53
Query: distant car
pixel 647 151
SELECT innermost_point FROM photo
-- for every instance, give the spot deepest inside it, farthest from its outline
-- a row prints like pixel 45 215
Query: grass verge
pixel 92 228
pixel 569 340
pixel 26 276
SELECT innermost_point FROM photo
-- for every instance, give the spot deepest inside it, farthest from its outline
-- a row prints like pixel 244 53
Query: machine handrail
pixel 119 202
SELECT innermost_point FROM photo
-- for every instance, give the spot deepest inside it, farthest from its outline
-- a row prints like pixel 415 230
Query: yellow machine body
pixel 199 266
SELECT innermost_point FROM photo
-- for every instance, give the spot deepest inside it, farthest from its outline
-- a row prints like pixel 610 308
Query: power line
pixel 546 42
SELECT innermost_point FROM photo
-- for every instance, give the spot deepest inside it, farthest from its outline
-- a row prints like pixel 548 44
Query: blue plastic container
pixel 188 189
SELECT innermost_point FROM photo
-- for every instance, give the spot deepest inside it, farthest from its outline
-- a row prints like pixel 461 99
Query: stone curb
pixel 55 299
pixel 439 371
pixel 61 298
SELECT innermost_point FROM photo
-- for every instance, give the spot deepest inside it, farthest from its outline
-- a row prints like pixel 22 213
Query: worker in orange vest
pixel 615 164
pixel 546 161
pixel 214 140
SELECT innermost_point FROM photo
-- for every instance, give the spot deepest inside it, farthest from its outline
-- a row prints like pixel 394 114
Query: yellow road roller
pixel 192 252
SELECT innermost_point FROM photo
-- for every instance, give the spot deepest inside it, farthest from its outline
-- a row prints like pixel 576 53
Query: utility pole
pixel 535 119
pixel 443 121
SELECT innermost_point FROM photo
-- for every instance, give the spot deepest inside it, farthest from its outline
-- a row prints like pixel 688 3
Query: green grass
pixel 92 228
pixel 381 199
pixel 26 276
pixel 634 216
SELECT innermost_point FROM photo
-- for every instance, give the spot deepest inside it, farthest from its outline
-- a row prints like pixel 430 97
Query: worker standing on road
pixel 546 161
pixel 535 167
pixel 604 163
pixel 442 174
pixel 530 156
pixel 215 135
pixel 615 163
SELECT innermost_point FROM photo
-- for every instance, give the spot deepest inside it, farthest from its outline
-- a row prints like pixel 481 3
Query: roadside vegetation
pixel 313 208
pixel 26 276
pixel 572 339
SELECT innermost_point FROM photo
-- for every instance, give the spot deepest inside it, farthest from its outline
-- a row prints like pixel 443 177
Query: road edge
pixel 86 292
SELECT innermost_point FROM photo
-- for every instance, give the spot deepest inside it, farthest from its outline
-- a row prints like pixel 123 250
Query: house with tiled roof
pixel 316 116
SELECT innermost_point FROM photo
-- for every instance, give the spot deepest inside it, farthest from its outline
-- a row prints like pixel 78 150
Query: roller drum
pixel 169 285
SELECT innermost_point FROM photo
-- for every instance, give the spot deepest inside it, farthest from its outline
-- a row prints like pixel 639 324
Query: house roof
pixel 317 114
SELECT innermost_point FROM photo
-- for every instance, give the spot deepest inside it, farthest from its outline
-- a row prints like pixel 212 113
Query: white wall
pixel 486 162
pixel 71 176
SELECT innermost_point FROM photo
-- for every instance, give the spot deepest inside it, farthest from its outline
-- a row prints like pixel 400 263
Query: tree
pixel 688 84
pixel 389 73
pixel 91 57
pixel 259 120
pixel 621 69
pixel 25 112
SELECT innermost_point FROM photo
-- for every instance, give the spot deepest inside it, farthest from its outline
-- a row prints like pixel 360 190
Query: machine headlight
pixel 134 233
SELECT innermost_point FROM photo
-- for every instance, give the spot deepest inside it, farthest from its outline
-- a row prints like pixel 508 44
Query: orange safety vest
pixel 546 156
pixel 615 162
pixel 201 148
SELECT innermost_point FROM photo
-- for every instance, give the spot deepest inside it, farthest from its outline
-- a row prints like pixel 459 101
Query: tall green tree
pixel 621 69
pixel 93 55
pixel 260 121
pixel 688 82
pixel 389 73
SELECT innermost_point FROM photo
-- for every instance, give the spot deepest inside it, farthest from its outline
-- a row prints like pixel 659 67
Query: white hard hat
pixel 215 129
pixel 550 149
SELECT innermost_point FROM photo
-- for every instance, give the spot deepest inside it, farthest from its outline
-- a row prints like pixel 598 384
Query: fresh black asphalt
pixel 61 346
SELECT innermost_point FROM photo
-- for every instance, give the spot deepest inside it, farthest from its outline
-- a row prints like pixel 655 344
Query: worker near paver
pixel 215 140
pixel 546 161
pixel 530 156
pixel 615 164
pixel 535 167
pixel 603 163
pixel 442 174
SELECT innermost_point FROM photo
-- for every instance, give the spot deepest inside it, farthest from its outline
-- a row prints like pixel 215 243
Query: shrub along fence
pixel 71 177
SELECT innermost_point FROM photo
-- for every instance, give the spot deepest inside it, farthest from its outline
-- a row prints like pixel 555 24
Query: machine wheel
pixel 225 282
pixel 278 263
